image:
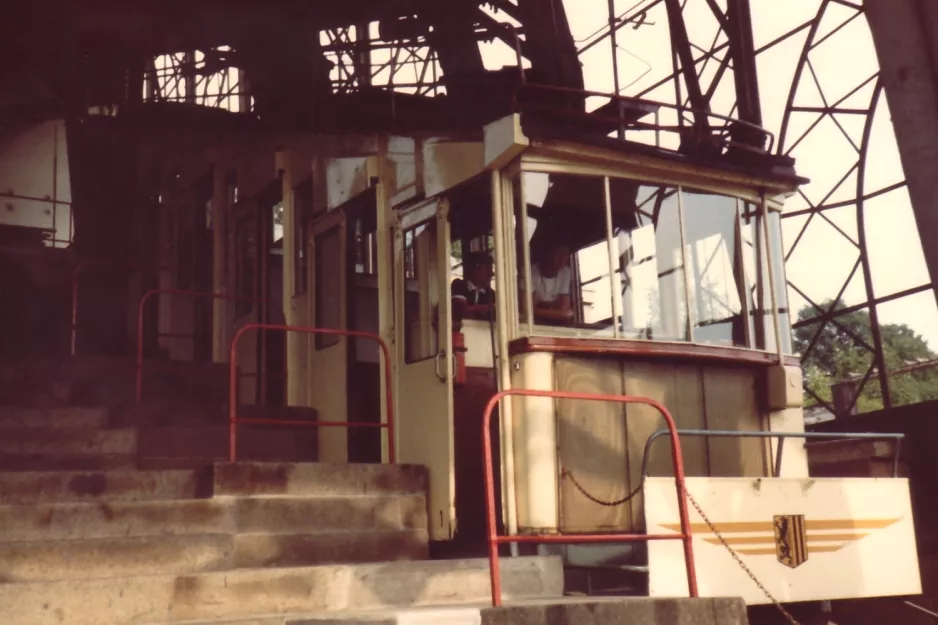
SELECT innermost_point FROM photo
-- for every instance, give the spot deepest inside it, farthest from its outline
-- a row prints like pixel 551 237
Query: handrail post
pixel 75 288
pixel 677 459
pixel 233 419
pixel 139 370
pixel 140 310
pixel 74 337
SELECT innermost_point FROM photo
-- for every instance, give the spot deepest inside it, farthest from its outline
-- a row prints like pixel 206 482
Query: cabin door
pixel 328 354
pixel 246 256
pixel 424 351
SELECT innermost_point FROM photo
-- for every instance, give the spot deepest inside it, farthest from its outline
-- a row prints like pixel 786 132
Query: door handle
pixel 436 365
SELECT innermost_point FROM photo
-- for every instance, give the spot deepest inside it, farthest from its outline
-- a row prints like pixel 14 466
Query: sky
pixel 824 255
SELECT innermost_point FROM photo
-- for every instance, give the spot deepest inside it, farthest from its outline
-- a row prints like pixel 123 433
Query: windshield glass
pixel 616 257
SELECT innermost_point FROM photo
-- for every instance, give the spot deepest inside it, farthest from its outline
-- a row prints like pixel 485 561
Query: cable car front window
pixel 569 253
pixel 622 258
pixel 714 261
pixel 654 293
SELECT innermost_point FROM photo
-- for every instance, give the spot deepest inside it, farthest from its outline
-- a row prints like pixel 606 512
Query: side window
pixel 421 292
pixel 302 210
pixel 711 224
pixel 651 262
pixel 245 256
pixel 328 285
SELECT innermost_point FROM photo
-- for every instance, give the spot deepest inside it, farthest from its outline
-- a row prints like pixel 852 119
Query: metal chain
pixel 618 502
pixel 609 504
pixel 739 561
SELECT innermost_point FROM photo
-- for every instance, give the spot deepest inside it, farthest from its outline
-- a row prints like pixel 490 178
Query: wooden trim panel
pixel 646 349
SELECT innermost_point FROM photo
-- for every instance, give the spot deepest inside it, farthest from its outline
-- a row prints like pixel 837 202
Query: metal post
pixel 615 293
pixel 615 66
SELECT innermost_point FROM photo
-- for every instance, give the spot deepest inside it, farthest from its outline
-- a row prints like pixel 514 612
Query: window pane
pixel 421 292
pixel 302 210
pixel 710 223
pixel 781 284
pixel 651 264
pixel 245 256
pixel 749 257
pixel 277 222
pixel 567 242
pixel 757 276
pixel 328 285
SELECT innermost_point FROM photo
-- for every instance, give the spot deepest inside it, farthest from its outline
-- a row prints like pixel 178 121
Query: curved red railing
pixel 96 263
pixel 140 309
pixel 234 420
pixel 677 459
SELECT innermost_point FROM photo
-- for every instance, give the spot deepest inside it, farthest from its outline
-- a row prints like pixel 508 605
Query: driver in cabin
pixel 551 277
pixel 473 297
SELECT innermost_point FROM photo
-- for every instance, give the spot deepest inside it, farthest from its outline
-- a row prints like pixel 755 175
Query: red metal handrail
pixel 494 539
pixel 234 420
pixel 92 263
pixel 140 309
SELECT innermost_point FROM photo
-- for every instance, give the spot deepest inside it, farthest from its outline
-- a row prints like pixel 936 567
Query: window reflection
pixel 421 293
pixel 758 297
pixel 654 303
pixel 686 264
pixel 781 287
pixel 717 288
pixel 567 239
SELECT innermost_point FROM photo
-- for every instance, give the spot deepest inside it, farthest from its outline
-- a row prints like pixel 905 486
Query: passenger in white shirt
pixel 551 278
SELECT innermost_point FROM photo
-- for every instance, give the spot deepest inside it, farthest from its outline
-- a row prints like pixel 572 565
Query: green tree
pixel 837 356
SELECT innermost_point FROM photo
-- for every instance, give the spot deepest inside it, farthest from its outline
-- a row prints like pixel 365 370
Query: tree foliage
pixel 838 356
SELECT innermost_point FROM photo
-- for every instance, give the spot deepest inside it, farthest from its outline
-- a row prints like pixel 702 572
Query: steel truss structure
pixel 714 69
pixel 361 59
pixel 711 69
pixel 207 78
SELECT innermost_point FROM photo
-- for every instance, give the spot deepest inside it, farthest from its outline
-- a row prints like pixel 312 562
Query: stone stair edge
pixel 560 611
pixel 292 591
pixel 460 564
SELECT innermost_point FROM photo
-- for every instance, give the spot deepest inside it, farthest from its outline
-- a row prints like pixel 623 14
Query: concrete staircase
pixel 132 546
pixel 114 512
pixel 126 513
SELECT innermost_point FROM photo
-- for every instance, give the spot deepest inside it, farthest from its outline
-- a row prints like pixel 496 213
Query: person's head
pixel 479 268
pixel 555 258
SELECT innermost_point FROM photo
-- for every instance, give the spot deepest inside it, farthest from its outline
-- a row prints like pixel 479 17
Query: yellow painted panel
pixel 680 389
pixel 424 393
pixel 592 446
pixel 731 404
pixel 328 384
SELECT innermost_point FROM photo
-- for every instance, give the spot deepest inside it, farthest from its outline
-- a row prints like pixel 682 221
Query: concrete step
pixel 330 547
pixel 279 444
pixel 53 440
pixel 67 462
pixel 11 416
pixel 114 519
pixel 241 593
pixel 190 553
pixel 555 611
pixel 78 486
pixel 171 412
pixel 106 381
pixel 115 557
pixel 318 479
pixel 295 519
pixel 347 513
pixel 177 413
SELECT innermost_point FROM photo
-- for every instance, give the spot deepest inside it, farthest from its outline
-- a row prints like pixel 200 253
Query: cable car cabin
pixel 531 262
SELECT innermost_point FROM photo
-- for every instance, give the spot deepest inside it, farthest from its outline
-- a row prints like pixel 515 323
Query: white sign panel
pixel 804 539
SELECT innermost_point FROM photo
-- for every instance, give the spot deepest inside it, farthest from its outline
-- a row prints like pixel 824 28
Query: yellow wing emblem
pixel 791 538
